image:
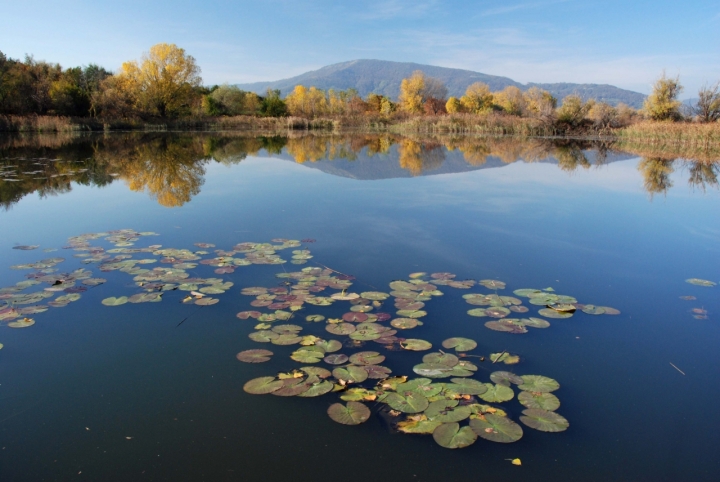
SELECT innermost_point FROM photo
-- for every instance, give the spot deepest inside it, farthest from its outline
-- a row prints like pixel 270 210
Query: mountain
pixel 384 77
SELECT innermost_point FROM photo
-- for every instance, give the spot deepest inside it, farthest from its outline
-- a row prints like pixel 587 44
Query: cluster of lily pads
pixel 423 405
pixel 443 394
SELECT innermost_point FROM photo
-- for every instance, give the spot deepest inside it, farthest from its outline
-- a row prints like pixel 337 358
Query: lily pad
pixel 418 426
pixel 544 420
pixel 411 313
pixel 492 284
pixel 263 385
pixel 593 310
pixel 496 428
pixel 404 323
pixel 497 393
pixel 451 436
pixel 446 359
pixel 415 344
pixel 351 374
pixel 112 301
pixel 24 323
pixel 336 359
pixel 478 312
pixel 263 336
pixel 377 372
pixel 286 339
pixel 460 344
pixel 315 318
pixel 700 282
pixel 254 356
pixel 367 358
pixel 535 322
pixel 354 413
pixel 550 313
pixel 340 328
pixel 307 355
pixel 329 346
pixel 413 402
pixel 538 383
pixel 505 378
pixel 317 389
pixel 467 386
pixel 206 301
pixel 544 401
pixel 447 411
pixel 505 358
pixel 433 370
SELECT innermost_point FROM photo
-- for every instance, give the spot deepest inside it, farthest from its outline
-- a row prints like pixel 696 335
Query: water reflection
pixel 171 167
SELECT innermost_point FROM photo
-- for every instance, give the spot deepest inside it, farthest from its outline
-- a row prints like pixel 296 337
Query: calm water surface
pixel 123 393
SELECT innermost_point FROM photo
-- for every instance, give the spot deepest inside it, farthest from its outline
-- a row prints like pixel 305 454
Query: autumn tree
pixel 574 110
pixel 511 100
pixel 707 108
pixel 454 106
pixel 477 98
pixel 164 81
pixel 540 103
pixel 230 100
pixel 306 102
pixel 663 104
pixel 418 89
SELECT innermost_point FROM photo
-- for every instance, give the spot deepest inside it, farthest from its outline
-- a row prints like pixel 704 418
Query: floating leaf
pixel 451 436
pixel 447 359
pixel 496 428
pixel 550 313
pixel 467 386
pixel 609 310
pixel 497 393
pixel 492 284
pixel 700 282
pixel 329 346
pixel 206 301
pixel 24 323
pixel 317 371
pixel 404 323
pixel 244 315
pixel 315 318
pixel 317 389
pixel 286 339
pixel 377 372
pixel 340 328
pixel 367 358
pixel 505 358
pixel 351 374
pixel 412 402
pixel 538 383
pixel 375 295
pixel 112 301
pixel 418 426
pixel 508 326
pixel 544 401
pixel 505 378
pixel 544 420
pixel 254 356
pixel 415 344
pixel 460 344
pixel 535 322
pixel 306 355
pixel 411 313
pixel 263 336
pixel 263 385
pixel 337 359
pixel 354 413
pixel 479 312
pixel 447 411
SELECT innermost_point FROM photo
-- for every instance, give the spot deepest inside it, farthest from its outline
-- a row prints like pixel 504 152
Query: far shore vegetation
pixel 164 91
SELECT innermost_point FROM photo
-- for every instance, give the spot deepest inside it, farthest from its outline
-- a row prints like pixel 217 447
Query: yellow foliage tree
pixel 453 105
pixel 477 98
pixel 306 102
pixel 411 93
pixel 163 82
pixel 511 100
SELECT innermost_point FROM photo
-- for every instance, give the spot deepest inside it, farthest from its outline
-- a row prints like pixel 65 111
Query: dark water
pixel 608 227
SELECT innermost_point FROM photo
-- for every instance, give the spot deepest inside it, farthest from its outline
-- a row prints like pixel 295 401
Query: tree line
pixel 166 83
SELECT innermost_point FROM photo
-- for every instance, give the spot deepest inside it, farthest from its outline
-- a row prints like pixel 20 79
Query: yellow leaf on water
pixel 516 462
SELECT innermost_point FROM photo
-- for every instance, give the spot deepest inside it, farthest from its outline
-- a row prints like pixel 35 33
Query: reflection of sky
pixel 594 234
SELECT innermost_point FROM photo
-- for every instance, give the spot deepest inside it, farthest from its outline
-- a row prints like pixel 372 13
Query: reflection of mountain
pixel 386 166
pixel 170 167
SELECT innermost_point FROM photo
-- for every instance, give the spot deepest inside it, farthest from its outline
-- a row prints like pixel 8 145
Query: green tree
pixel 272 105
pixel 663 104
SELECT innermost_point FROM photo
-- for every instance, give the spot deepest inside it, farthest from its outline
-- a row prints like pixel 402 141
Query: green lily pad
pixel 303 355
pixel 293 387
pixel 544 420
pixel 286 339
pixel 700 282
pixel 24 323
pixel 433 370
pixel 478 312
pixel 550 313
pixel 505 358
pixel 263 336
pixel 354 413
pixel 404 323
pixel 317 371
pixel 593 310
pixel 317 389
pixel 497 312
pixel 315 318
pixel 447 411
pixel 337 359
pixel 505 378
pixel 526 292
pixel 544 401
pixel 425 427
pixel 340 328
pixel 254 356
pixel 112 301
pixel 415 344
pixel 411 313
pixel 367 358
pixel 263 385
pixel 377 372
pixel 374 295
pixel 357 394
pixel 206 301
pixel 538 383
pixel 497 393
pixel 496 428
pixel 508 326
pixel 451 436
pixel 467 386
pixel 350 374
pixel 411 402
pixel 447 359
pixel 329 346
pixel 535 322
pixel 460 344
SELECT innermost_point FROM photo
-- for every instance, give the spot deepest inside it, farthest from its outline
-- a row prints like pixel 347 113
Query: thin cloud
pixel 520 6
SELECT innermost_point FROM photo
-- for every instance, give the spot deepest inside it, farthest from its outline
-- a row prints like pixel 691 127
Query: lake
pixel 588 247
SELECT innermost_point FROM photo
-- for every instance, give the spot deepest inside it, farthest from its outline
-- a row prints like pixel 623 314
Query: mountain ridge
pixel 384 77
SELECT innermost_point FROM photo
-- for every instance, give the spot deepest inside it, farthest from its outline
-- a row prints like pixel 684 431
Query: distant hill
pixel 384 77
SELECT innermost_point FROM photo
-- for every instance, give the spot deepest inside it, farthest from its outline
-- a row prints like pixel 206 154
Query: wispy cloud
pixel 517 7
pixel 390 9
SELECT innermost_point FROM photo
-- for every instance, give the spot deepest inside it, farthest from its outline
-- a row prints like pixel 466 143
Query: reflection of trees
pixel 171 167
pixel 656 173
pixel 417 157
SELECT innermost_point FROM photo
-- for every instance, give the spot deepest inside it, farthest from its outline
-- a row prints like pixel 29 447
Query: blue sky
pixel 625 43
